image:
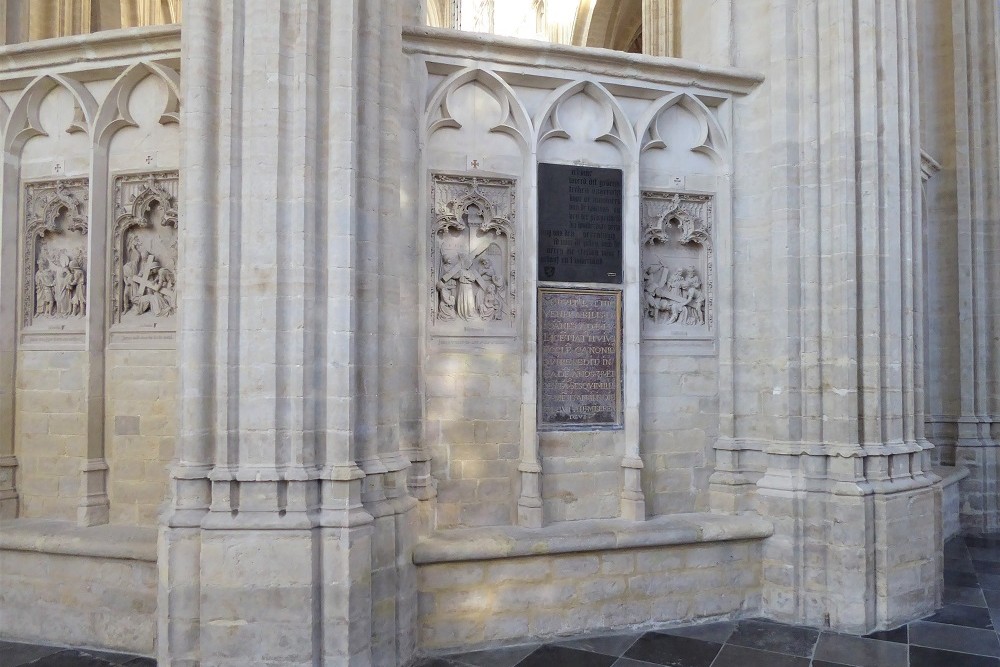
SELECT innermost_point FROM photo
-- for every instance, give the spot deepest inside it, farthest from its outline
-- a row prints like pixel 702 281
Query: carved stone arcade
pixel 54 254
pixel 144 250
pixel 472 253
pixel 677 265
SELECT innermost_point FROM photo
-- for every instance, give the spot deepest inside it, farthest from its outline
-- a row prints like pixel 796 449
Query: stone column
pixel 827 214
pixel 14 19
pixel 976 160
pixel 288 534
pixel 659 27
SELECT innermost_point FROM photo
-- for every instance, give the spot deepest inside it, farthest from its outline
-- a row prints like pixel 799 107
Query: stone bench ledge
pixel 495 542
pixel 950 474
pixel 67 538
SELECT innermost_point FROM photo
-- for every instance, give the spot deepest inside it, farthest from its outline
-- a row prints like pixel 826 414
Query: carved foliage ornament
pixel 472 274
pixel 678 264
pixel 54 252
pixel 144 250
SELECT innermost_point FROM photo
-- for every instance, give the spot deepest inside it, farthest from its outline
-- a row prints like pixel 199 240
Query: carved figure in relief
pixel 695 306
pixel 490 299
pixel 469 287
pixel 674 296
pixel 45 283
pixel 78 288
pixel 446 300
pixel 472 251
pixel 148 286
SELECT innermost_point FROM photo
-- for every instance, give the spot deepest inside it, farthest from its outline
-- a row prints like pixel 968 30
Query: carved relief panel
pixel 54 259
pixel 678 265
pixel 142 287
pixel 472 252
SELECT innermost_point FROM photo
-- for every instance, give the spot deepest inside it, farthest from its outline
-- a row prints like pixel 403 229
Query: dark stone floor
pixel 960 634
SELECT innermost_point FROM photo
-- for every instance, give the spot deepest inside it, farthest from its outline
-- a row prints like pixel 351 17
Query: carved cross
pixel 145 284
pixel 475 164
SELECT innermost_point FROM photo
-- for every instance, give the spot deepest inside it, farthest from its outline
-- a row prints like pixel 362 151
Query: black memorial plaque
pixel 580 361
pixel 579 224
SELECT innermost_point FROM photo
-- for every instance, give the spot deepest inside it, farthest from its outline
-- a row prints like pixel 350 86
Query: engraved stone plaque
pixel 579 224
pixel 580 358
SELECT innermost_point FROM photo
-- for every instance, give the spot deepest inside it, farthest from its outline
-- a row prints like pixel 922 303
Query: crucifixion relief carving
pixel 472 253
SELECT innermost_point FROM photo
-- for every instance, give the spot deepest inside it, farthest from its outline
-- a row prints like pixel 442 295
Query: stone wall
pixel 88 284
pixel 478 141
pixel 478 591
pixel 69 586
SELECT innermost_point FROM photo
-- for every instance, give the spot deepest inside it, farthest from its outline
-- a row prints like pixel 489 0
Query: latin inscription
pixel 579 358
pixel 579 224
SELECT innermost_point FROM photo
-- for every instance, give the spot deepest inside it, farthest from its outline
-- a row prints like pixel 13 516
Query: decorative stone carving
pixel 144 250
pixel 678 265
pixel 54 260
pixel 472 274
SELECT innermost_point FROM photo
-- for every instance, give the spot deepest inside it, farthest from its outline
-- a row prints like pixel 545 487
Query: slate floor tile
pixel 953 578
pixel 984 554
pixel 899 635
pixel 741 656
pixel 661 649
pixel 769 636
pixel 13 654
pixel 860 652
pixel 498 657
pixel 958 614
pixel 824 663
pixel 557 656
pixel 955 638
pixel 932 657
pixel 984 542
pixel 958 565
pixel 70 658
pixel 710 632
pixel 141 662
pixel 438 662
pixel 989 581
pixel 986 567
pixel 614 645
pixel 956 549
pixel 992 599
pixel 971 596
pixel 629 662
pixel 112 657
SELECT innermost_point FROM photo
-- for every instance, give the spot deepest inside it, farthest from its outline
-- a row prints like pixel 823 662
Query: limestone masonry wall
pixel 495 601
pixel 51 423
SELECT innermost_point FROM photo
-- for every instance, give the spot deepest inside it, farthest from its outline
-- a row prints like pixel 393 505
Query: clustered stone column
pixel 830 157
pixel 290 524
pixel 975 158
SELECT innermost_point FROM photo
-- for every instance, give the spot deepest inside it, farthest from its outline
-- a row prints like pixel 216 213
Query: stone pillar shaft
pixel 844 470
pixel 288 364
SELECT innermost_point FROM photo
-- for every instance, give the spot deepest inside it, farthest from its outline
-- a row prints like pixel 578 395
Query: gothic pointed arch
pixel 23 121
pixel 712 140
pixel 549 125
pixel 114 113
pixel 514 118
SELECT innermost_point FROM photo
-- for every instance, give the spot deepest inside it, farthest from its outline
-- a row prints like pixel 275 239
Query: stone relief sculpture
pixel 144 250
pixel 472 254
pixel 678 280
pixel 54 273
